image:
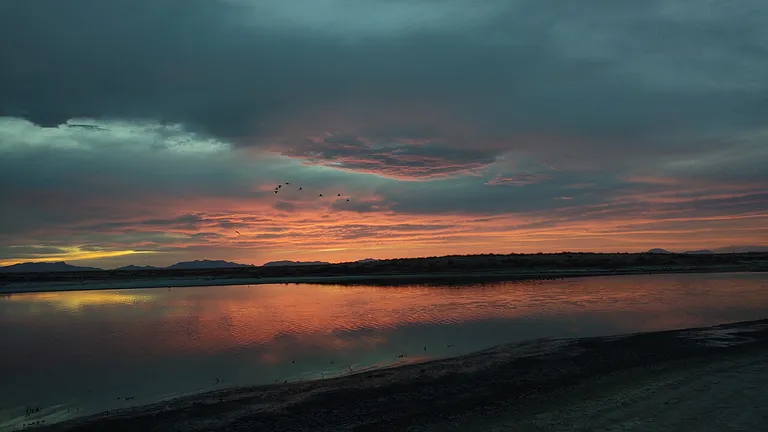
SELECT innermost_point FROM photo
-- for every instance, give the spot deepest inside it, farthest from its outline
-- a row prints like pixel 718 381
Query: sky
pixel 149 132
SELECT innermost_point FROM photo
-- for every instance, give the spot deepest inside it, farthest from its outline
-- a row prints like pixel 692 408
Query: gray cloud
pixel 627 76
pixel 28 251
pixel 391 158
pixel 172 110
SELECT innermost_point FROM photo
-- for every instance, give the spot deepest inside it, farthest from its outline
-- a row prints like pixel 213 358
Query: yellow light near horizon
pixel 74 254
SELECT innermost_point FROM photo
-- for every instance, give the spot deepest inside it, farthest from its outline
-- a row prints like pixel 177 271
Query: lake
pixel 80 352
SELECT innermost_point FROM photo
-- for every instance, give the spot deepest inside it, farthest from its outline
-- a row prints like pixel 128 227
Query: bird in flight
pixel 238 232
pixel 320 195
pixel 338 194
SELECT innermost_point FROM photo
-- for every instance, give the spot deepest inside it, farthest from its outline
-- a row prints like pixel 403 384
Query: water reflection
pixel 84 350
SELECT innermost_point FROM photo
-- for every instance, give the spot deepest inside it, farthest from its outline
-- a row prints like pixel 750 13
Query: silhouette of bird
pixel 320 195
pixel 299 187
pixel 338 194
pixel 238 232
pixel 347 199
pixel 275 191
pixel 287 183
pixel 279 186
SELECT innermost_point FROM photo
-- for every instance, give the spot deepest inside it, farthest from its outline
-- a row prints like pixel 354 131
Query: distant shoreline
pixel 367 279
pixel 696 378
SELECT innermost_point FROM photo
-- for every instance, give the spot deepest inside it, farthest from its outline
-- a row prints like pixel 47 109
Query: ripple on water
pixel 178 342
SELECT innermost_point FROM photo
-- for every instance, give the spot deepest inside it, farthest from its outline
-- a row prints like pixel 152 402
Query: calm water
pixel 73 351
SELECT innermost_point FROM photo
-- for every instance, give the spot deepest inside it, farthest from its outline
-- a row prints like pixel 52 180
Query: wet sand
pixel 709 379
pixel 372 279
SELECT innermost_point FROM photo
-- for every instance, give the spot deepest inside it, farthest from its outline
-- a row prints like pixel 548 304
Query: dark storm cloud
pixel 391 158
pixel 562 111
pixel 639 80
pixel 518 180
pixel 183 222
pixel 28 251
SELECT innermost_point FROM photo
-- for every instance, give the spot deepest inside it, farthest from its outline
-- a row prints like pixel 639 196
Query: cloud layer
pixel 163 125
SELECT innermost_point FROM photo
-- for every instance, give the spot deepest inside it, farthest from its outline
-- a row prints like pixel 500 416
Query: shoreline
pixel 519 386
pixel 371 279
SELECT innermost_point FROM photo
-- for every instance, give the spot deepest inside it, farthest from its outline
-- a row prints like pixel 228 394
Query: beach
pixel 713 378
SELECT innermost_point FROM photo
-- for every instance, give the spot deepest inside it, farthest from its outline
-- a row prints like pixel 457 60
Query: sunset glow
pixel 428 131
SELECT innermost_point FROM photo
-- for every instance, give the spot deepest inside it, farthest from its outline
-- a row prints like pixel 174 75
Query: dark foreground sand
pixel 712 379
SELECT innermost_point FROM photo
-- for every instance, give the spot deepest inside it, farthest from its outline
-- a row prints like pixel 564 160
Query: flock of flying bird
pixel 280 186
pixel 301 188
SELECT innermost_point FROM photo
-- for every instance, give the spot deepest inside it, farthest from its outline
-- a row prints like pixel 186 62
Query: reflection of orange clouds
pixel 75 300
pixel 350 318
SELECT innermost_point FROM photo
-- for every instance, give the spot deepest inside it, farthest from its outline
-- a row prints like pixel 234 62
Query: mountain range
pixel 722 250
pixel 47 267
pixel 33 267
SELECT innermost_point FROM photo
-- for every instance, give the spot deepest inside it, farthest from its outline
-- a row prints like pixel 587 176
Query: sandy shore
pixel 710 379
pixel 372 279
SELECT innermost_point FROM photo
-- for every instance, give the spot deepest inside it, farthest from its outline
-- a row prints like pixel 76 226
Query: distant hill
pixel 659 251
pixel 699 252
pixel 741 249
pixel 205 264
pixel 366 260
pixel 293 263
pixel 45 267
pixel 133 267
